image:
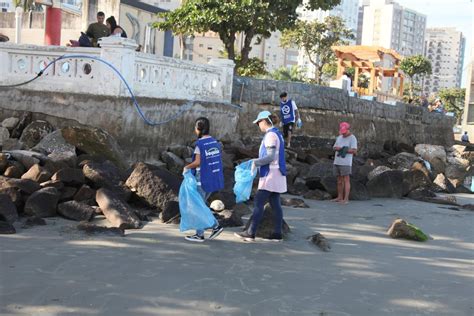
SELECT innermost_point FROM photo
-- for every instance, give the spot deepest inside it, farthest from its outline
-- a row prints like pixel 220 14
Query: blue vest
pixel 264 170
pixel 287 112
pixel 211 169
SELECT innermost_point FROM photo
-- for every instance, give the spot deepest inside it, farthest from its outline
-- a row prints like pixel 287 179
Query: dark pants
pixel 261 198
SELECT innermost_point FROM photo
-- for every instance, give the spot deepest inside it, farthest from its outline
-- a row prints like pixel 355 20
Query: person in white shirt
pixel 345 148
pixel 348 79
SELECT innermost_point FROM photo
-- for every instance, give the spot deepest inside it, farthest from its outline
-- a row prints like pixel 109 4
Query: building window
pixel 470 114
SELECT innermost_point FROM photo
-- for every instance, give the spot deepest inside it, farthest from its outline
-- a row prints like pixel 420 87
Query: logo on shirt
pixel 285 109
pixel 211 152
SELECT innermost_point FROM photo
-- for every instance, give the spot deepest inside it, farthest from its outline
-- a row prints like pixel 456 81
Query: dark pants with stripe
pixel 261 198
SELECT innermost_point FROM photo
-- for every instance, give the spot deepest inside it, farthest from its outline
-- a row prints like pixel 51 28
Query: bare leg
pixel 289 139
pixel 340 189
pixel 347 189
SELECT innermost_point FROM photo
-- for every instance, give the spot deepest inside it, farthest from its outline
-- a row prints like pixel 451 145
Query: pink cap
pixel 344 127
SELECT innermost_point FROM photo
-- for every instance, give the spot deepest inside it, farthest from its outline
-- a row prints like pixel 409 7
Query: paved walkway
pixel 55 270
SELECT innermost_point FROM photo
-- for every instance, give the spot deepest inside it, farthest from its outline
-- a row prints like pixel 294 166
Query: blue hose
pixel 187 107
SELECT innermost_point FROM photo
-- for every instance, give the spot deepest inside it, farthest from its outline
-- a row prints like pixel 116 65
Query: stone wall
pixel 322 108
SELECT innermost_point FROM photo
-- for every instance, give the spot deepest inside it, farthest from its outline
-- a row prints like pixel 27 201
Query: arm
pixel 271 154
pixel 353 147
pixel 297 113
pixel 336 146
pixel 196 163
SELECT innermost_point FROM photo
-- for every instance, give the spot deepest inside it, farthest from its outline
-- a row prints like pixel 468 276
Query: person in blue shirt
pixel 289 116
pixel 208 169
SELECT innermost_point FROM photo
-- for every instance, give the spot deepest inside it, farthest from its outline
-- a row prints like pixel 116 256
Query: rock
pixel 320 241
pixel 173 162
pixel 84 193
pixel 181 151
pixel 228 218
pixel 414 179
pixel 421 194
pixel 266 227
pixel 447 200
pixel 456 170
pixel 402 229
pixel 34 221
pixel 361 173
pixel 241 209
pixel 25 119
pixel 69 176
pixel 228 198
pixel 4 135
pixel 54 143
pixel 387 184
pixel 430 152
pixel 8 209
pixel 103 174
pixel 317 195
pixel 12 144
pixel 67 194
pixel 26 158
pixel 358 191
pixel 437 166
pixel 155 186
pixel 93 229
pixel 298 188
pixel 319 170
pixel 13 172
pixel 443 184
pixel 3 162
pixel 291 173
pixel 217 206
pixel 37 174
pixel 245 153
pixel 463 190
pixel 292 202
pixel 42 203
pixel 6 228
pixel 403 161
pixel 312 159
pixel 377 171
pixel 170 212
pixel 10 123
pixel 469 207
pixel 15 196
pixel 34 133
pixel 330 185
pixel 24 185
pixel 94 141
pixel 117 212
pixel 52 184
pixel 76 211
pixel 421 167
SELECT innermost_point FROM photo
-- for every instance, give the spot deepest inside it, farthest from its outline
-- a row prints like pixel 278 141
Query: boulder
pixel 55 143
pixel 402 229
pixel 15 197
pixel 12 144
pixel 25 119
pixel 387 184
pixel 117 212
pixel 456 170
pixel 414 179
pixel 377 171
pixel 24 185
pixel 317 195
pixel 431 152
pixel 319 170
pixel 442 184
pixel 155 186
pixel 3 162
pixel 469 207
pixel 103 174
pixel 437 166
pixel 421 167
pixel 34 133
pixel 361 173
pixel 75 211
pixel 8 209
pixel 242 209
pixel 227 197
pixel 358 191
pixel 52 184
pixel 69 176
pixel 330 185
pixel 170 212
pixel 67 194
pixel 266 227
pixel 217 206
pixel 181 151
pixel 10 123
pixel 291 173
pixel 26 158
pixel 403 161
pixel 228 218
pixel 4 135
pixel 320 241
pixel 6 228
pixel 37 174
pixel 92 229
pixel 421 194
pixel 42 203
pixel 84 193
pixel 173 162
pixel 34 221
pixel 292 202
pixel 95 141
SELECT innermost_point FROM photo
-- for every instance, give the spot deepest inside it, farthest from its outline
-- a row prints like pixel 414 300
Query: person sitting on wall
pixel 465 138
pixel 98 30
pixel 114 29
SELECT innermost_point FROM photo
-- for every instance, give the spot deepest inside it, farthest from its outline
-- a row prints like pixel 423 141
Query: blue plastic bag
pixel 195 215
pixel 243 181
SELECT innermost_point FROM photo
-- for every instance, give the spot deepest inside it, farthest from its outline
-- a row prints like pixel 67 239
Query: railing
pixel 148 75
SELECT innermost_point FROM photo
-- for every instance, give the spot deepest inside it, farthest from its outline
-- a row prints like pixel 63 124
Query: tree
pixel 251 18
pixel 316 39
pixel 294 73
pixel 453 100
pixel 414 67
pixel 255 67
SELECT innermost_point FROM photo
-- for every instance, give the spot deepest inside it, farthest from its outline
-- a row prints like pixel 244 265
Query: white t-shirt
pixel 351 143
pixel 349 83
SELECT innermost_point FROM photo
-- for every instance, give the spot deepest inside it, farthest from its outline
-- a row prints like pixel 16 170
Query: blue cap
pixel 262 116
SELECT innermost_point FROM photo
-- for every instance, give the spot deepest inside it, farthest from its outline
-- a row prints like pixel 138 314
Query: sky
pixel 447 13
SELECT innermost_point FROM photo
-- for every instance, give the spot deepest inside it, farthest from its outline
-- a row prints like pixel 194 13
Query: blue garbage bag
pixel 243 181
pixel 195 214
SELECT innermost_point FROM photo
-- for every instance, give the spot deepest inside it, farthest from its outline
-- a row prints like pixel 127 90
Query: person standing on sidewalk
pixel 272 171
pixel 289 116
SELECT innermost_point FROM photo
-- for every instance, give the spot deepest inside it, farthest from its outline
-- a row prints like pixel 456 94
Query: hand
pixel 185 169
pixel 281 124
pixel 337 148
pixel 299 123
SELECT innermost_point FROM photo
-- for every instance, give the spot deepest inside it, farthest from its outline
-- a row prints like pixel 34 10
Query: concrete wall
pixel 322 109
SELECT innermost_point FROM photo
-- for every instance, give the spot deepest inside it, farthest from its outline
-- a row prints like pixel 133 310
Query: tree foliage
pixel 251 18
pixel 254 67
pixel 414 67
pixel 453 100
pixel 294 73
pixel 316 39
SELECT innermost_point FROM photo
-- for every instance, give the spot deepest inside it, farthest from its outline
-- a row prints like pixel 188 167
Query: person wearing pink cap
pixel 345 148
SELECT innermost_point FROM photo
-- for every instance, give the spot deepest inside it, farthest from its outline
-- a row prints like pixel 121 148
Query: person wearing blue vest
pixel 272 170
pixel 208 170
pixel 288 115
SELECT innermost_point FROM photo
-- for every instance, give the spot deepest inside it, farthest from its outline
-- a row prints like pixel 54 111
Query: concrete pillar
pixel 120 52
pixel 356 79
pixel 52 32
pixel 227 67
pixel 18 23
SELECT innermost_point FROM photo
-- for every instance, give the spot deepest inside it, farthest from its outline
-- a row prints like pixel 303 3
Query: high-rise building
pixel 7 6
pixel 388 24
pixel 360 21
pixel 468 116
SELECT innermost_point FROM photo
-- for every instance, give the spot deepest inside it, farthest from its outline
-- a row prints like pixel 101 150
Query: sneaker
pixel 216 232
pixel 245 236
pixel 274 237
pixel 195 238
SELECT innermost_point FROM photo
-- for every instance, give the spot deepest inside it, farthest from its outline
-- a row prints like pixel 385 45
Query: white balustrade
pixel 148 75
